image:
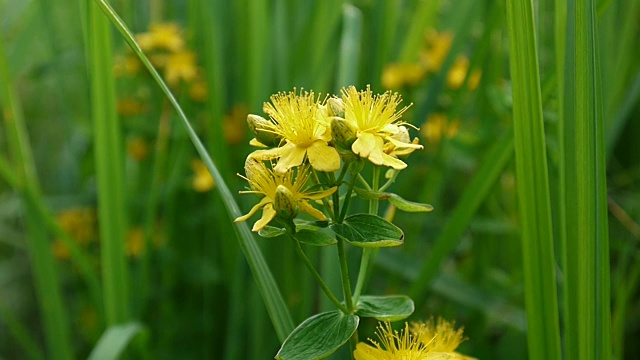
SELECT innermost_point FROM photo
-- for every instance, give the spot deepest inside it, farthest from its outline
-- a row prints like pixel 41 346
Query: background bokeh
pixel 187 281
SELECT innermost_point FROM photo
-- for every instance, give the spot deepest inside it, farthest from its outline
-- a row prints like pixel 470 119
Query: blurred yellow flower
pixel 438 126
pixel 126 65
pixel 128 106
pixel 268 183
pixel 234 125
pixel 134 244
pixel 79 223
pixel 180 66
pixel 302 122
pixel 162 36
pixel 137 148
pixel 202 180
pixel 438 46
pixel 458 72
pixel 376 121
pixel 395 76
pixel 60 250
pixel 198 90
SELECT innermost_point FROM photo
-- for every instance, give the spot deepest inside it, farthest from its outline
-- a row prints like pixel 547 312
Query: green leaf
pixel 314 237
pixel 368 230
pixel 395 199
pixel 318 336
pixel 385 308
pixel 271 232
pixel 114 341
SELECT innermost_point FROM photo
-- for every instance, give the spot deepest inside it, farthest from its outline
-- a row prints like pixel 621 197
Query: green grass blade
pixel 349 47
pixel 273 299
pixel 114 340
pixel 533 186
pixel 423 17
pixel 20 334
pixel 109 169
pixel 586 265
pixel 496 160
pixel 46 280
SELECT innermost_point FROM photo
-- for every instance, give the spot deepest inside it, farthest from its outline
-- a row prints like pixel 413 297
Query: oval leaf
pixel 369 231
pixel 315 238
pixel 385 308
pixel 271 232
pixel 409 206
pixel 395 199
pixel 318 336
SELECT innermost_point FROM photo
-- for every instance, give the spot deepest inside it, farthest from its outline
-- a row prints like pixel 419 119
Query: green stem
pixel 364 182
pixel 347 199
pixel 315 274
pixel 325 202
pixel 367 254
pixel 344 272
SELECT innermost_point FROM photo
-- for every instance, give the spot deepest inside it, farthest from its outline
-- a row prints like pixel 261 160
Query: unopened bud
pixel 335 107
pixel 263 130
pixel 284 203
pixel 343 133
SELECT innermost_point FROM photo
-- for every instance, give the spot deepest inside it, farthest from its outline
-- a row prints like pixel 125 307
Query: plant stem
pixel 315 274
pixel 367 253
pixel 347 199
pixel 344 272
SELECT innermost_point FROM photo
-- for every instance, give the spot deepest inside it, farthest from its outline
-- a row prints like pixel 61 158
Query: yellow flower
pixel 420 342
pixel 458 72
pixel 137 148
pixel 268 183
pixel 79 223
pixel 60 250
pixel 129 106
pixel 198 90
pixel 392 346
pixel 438 126
pixel 301 121
pixel 135 242
pixel 163 36
pixel 440 338
pixel 202 180
pixel 377 123
pixel 180 65
pixel 233 125
pixel 395 76
pixel 438 45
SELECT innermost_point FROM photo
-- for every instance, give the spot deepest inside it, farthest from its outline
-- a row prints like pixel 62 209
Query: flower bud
pixel 263 130
pixel 343 133
pixel 335 107
pixel 402 135
pixel 284 203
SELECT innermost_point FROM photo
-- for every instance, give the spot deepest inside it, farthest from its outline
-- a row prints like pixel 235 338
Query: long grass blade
pixel 45 272
pixel 349 46
pixel 532 184
pixel 272 297
pixel 109 169
pixel 586 265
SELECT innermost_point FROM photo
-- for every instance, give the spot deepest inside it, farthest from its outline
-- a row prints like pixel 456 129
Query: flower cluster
pixel 305 134
pixel 418 341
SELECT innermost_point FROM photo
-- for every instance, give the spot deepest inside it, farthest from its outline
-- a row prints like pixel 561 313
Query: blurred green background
pixel 186 281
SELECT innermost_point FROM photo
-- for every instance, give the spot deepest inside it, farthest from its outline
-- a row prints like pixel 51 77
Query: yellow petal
pixel 253 210
pixel 367 352
pixel 256 143
pixel 323 157
pixel 365 143
pixel 268 213
pixel 290 155
pixel 400 144
pixel 393 162
pixel 320 194
pixel 304 206
pixel 263 155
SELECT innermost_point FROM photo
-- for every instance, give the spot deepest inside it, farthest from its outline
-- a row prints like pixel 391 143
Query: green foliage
pixel 368 231
pixel 385 308
pixel 114 340
pixel 319 336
